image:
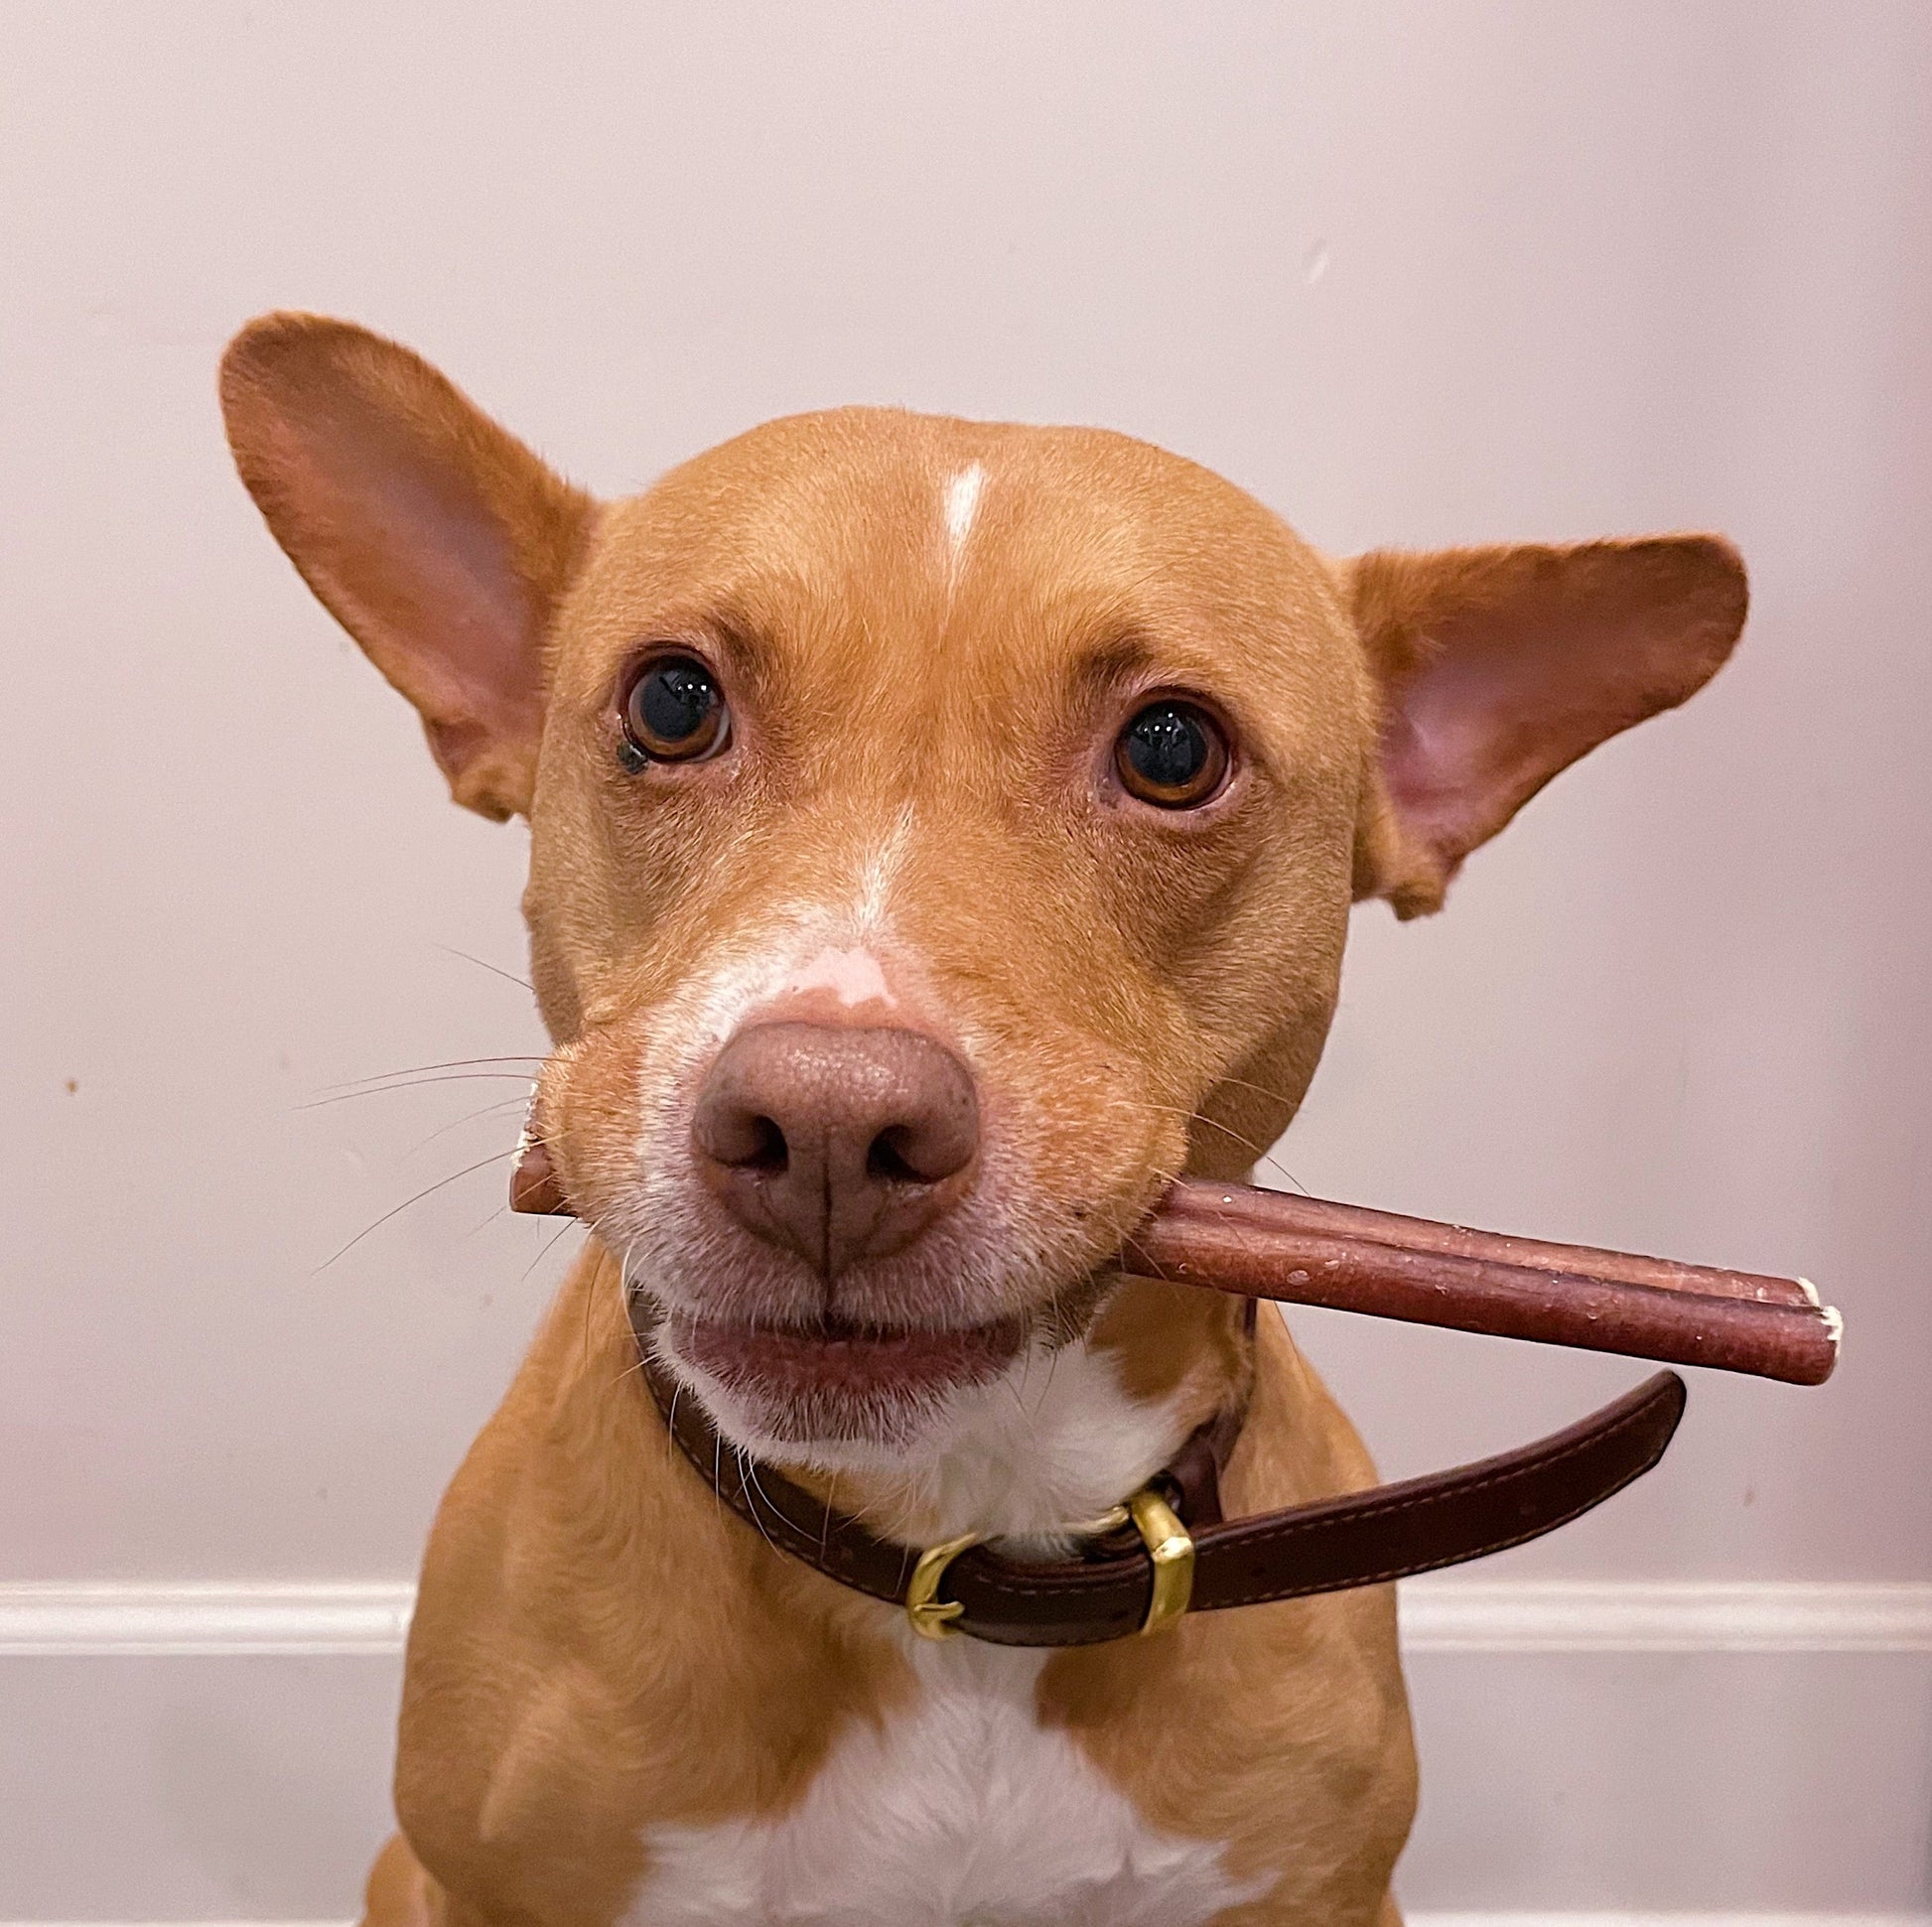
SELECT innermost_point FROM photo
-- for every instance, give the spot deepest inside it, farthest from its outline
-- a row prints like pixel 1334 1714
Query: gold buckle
pixel 1169 1546
pixel 933 1616
pixel 1172 1550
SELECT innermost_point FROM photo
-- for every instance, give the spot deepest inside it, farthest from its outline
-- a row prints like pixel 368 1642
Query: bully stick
pixel 1309 1251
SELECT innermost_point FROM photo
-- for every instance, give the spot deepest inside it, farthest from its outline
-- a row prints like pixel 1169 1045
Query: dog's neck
pixel 1063 1434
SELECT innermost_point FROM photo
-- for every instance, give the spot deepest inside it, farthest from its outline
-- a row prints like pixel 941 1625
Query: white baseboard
pixel 1664 1616
pixel 319 1617
pixel 299 1620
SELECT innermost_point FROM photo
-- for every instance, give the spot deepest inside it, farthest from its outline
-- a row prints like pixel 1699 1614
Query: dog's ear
pixel 436 538
pixel 1498 667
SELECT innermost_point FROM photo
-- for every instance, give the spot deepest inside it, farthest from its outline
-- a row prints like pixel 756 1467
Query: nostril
pixel 769 1151
pixel 885 1158
pixel 740 1137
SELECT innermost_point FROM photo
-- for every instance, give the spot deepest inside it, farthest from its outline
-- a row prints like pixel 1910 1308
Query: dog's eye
pixel 674 712
pixel 1171 754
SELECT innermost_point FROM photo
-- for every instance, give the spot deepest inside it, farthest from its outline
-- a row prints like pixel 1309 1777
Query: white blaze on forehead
pixel 876 879
pixel 962 504
pixel 852 976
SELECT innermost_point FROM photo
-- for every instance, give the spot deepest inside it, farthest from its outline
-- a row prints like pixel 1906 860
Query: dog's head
pixel 942 834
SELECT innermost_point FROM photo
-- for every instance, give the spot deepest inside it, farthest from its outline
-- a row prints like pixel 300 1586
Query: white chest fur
pixel 960 1811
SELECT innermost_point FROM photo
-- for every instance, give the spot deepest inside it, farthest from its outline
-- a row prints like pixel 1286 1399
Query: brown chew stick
pixel 1276 1212
pixel 1309 1251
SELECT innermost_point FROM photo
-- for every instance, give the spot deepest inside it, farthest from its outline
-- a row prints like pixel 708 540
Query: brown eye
pixel 674 712
pixel 1172 755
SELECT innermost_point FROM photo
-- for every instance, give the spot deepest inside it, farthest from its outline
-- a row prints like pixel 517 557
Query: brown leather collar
pixel 1361 1538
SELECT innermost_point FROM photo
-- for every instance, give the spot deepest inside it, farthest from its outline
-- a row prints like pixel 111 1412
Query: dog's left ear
pixel 434 537
pixel 1501 666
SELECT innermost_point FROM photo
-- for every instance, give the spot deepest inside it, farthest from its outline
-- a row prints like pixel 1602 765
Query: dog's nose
pixel 837 1143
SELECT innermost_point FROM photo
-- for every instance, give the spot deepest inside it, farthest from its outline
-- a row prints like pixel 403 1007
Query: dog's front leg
pixel 401 1893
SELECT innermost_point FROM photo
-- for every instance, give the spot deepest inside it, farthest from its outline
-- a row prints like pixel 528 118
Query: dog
pixel 942 834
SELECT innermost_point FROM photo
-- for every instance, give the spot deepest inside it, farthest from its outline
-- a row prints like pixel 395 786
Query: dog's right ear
pixel 435 537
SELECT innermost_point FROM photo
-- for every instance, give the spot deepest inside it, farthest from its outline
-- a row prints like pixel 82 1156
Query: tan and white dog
pixel 943 833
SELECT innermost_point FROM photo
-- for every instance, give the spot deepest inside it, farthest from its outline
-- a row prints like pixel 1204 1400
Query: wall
pixel 1418 273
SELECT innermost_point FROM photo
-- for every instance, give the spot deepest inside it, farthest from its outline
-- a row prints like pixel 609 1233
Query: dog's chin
pixel 828 1386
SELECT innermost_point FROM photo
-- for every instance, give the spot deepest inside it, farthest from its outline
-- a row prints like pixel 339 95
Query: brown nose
pixel 838 1144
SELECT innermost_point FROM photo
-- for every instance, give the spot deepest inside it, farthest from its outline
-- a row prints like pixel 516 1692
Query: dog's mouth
pixel 836 1379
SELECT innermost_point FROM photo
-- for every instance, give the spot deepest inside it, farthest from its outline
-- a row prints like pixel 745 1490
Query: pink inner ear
pixel 1502 706
pixel 1438 748
pixel 450 619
